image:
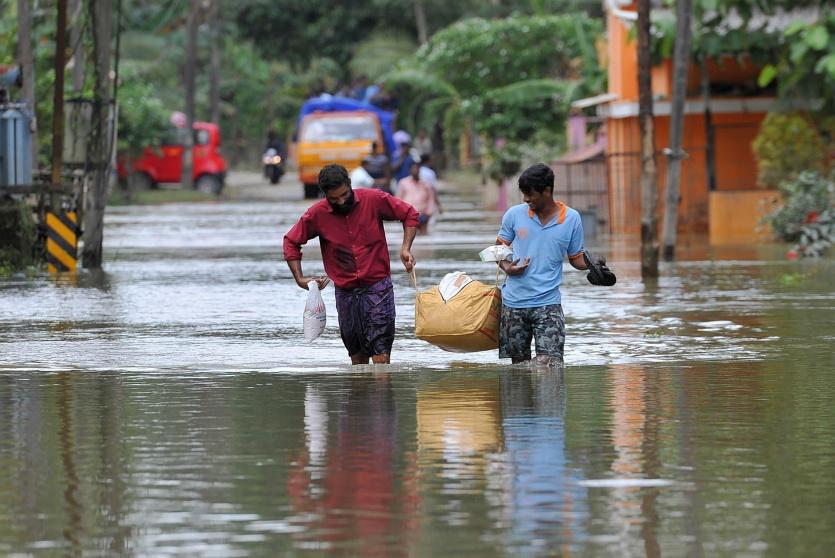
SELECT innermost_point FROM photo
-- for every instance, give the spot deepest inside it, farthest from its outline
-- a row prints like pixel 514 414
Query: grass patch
pixel 158 197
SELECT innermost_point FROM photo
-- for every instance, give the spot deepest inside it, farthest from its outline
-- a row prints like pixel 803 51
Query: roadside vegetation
pixel 497 75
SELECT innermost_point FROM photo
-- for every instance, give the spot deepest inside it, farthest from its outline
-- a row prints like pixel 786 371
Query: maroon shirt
pixel 354 248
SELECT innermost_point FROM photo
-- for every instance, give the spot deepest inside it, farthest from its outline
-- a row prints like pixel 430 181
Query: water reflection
pixel 547 507
pixel 483 461
pixel 358 498
pixel 73 508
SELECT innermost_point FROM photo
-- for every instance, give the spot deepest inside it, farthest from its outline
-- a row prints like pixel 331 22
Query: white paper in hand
pixel 314 313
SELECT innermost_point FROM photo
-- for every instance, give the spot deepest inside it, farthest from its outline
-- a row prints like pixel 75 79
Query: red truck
pixel 165 162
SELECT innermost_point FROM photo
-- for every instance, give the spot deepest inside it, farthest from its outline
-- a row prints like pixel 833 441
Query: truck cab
pixel 164 164
pixel 335 137
pixel 338 130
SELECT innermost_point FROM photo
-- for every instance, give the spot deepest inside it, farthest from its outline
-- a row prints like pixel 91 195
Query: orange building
pixel 731 211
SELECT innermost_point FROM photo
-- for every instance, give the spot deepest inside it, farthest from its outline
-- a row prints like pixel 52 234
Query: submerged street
pixel 170 405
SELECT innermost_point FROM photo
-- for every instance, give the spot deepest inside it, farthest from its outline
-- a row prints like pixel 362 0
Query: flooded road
pixel 170 406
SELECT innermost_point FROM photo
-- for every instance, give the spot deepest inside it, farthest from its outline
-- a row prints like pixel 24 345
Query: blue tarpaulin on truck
pixel 330 103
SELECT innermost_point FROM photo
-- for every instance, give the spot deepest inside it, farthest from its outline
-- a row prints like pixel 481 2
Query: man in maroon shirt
pixel 349 225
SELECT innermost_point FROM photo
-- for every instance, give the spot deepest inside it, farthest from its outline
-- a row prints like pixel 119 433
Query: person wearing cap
pixel 349 225
pixel 360 177
pixel 403 157
pixel 542 232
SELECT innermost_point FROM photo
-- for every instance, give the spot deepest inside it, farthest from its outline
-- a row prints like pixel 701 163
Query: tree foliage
pixel 380 52
pixel 300 32
pixel 793 40
pixel 276 52
pixel 143 119
pixel 525 111
pixel 476 55
pixel 805 66
pixel 511 79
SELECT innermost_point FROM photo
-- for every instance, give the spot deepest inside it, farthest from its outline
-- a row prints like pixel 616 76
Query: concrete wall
pixel 736 216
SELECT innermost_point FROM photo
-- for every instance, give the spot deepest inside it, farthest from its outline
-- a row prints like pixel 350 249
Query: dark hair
pixel 424 158
pixel 333 176
pixel 537 177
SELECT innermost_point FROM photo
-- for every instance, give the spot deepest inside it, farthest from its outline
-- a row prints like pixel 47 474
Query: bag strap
pixel 498 269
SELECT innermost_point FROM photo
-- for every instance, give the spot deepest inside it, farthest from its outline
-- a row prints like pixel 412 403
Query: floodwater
pixel 170 407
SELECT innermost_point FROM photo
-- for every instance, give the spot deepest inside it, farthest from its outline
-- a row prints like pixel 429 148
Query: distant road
pixel 248 185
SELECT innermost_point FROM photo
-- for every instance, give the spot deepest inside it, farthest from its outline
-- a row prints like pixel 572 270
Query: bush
pixel 787 145
pixel 807 216
pixel 18 235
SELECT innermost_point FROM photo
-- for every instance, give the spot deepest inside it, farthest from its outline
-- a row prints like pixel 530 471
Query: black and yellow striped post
pixel 61 242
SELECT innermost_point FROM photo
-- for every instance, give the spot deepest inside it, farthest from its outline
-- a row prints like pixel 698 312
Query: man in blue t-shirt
pixel 542 232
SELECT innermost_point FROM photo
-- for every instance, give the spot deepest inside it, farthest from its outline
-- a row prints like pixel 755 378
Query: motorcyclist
pixel 274 170
pixel 274 142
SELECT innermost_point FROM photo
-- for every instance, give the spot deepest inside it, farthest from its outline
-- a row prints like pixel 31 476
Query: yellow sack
pixel 466 323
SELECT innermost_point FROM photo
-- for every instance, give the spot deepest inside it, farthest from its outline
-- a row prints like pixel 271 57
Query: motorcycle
pixel 273 165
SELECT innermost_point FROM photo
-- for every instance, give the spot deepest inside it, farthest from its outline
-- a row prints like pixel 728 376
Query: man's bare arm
pixel 406 249
pixel 577 261
pixel 302 280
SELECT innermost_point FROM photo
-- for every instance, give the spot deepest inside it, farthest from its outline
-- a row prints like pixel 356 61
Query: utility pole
pixel 649 172
pixel 214 61
pixel 58 94
pixel 27 62
pixel 190 69
pixel 681 63
pixel 76 12
pixel 99 148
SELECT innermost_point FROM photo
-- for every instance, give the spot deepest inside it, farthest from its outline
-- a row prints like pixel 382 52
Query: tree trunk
pixel 214 62
pixel 99 148
pixel 27 62
pixel 649 173
pixel 76 43
pixel 58 91
pixel 190 70
pixel 681 63
pixel 420 22
pixel 710 139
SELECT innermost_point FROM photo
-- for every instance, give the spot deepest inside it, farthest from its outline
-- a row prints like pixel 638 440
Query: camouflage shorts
pixel 545 324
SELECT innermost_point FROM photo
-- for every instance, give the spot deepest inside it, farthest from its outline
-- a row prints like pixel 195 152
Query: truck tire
pixel 142 181
pixel 209 183
pixel 275 174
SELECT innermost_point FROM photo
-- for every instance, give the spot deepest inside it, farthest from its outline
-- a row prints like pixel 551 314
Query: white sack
pixel 452 283
pixel 314 313
pixel 496 253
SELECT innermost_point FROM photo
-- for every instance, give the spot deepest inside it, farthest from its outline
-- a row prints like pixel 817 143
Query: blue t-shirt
pixel 404 169
pixel 546 246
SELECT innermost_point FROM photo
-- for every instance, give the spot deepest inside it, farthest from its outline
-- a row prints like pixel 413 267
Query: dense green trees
pixel 510 80
pixel 274 53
